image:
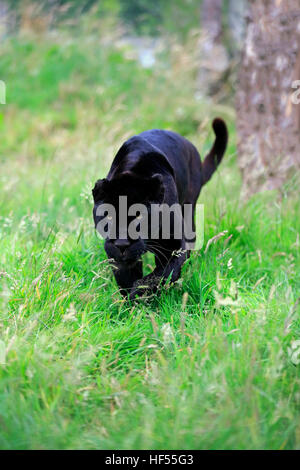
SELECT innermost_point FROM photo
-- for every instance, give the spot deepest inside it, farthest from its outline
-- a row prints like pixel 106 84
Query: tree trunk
pixel 268 122
pixel 212 21
pixel 213 55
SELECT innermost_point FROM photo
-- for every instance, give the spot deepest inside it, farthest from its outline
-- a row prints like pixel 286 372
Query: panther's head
pixel 125 242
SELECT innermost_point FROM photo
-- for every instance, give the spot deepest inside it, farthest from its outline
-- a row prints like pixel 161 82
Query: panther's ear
pixel 157 189
pixel 99 189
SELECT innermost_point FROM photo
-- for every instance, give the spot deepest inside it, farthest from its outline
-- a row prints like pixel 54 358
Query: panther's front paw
pixel 145 288
pixel 139 290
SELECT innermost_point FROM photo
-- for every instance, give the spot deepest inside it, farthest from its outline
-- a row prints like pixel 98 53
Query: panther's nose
pixel 122 245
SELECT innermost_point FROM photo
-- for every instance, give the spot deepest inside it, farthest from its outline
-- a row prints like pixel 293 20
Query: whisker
pixel 158 246
pixel 157 252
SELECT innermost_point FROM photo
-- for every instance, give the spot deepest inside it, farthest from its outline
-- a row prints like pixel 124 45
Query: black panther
pixel 154 167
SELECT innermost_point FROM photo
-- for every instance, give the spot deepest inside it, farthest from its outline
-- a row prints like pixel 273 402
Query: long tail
pixel 214 157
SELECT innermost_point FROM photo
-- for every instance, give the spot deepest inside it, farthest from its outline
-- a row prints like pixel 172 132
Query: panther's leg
pixel 168 264
pixel 126 275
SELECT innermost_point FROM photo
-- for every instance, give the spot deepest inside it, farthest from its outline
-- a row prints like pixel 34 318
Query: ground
pixel 211 363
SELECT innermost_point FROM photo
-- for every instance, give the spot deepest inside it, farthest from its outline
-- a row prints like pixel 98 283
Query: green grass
pixel 206 365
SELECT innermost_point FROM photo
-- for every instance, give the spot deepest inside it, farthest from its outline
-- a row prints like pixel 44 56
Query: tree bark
pixel 213 54
pixel 212 20
pixel 268 123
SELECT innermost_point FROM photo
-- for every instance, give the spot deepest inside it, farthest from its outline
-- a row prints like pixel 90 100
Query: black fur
pixel 155 167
